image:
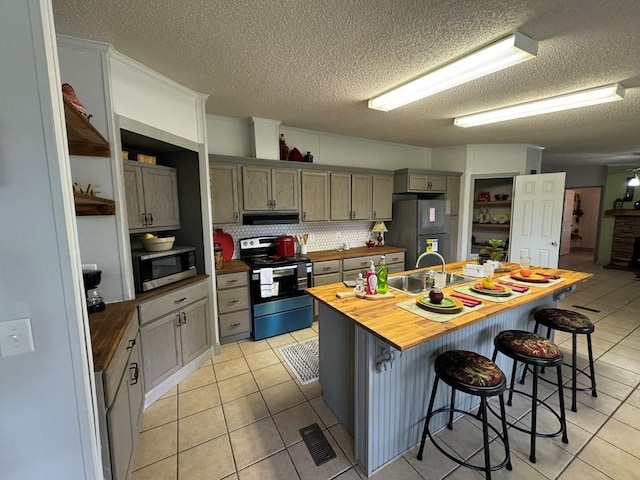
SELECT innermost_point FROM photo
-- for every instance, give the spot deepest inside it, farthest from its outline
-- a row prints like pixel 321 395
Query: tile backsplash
pixel 322 235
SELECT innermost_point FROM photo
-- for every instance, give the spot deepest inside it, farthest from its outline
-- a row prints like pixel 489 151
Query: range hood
pixel 272 218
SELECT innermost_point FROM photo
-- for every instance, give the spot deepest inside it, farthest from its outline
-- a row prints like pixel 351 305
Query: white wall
pixel 45 419
pixel 582 176
pixel 231 136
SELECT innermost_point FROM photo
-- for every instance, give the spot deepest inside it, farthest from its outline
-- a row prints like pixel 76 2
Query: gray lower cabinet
pixel 234 314
pixel 174 330
pixel 120 401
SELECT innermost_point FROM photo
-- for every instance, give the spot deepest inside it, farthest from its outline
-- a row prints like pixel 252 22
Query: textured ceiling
pixel 313 64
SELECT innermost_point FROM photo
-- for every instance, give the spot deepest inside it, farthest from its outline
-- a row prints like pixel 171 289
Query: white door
pixel 536 219
pixel 567 222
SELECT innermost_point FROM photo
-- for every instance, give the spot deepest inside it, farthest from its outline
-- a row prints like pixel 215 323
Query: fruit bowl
pixel 157 244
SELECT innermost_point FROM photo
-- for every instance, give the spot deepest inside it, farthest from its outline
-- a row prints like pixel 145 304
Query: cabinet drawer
pixel 119 361
pixel 395 268
pixel 230 280
pixel 392 258
pixel 330 266
pixel 353 274
pixel 171 301
pixel 359 262
pixel 234 323
pixel 326 279
pixel 233 299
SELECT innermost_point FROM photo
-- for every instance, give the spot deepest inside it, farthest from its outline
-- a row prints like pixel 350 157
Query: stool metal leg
pixel 534 414
pixel 426 420
pixel 591 369
pixel 574 371
pixel 503 415
pixel 563 415
pixel 485 438
pixel 453 404
pixel 513 381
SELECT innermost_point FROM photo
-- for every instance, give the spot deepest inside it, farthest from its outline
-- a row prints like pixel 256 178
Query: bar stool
pixel 473 374
pixel 576 324
pixel 535 352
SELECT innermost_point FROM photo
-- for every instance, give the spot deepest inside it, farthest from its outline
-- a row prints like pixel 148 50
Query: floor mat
pixel 303 360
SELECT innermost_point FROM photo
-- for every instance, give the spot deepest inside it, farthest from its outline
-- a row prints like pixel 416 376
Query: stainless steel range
pixel 279 304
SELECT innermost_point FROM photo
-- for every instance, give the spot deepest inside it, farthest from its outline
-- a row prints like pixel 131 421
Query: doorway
pixel 580 220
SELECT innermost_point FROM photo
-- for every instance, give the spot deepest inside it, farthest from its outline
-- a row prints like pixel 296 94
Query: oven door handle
pixel 280 271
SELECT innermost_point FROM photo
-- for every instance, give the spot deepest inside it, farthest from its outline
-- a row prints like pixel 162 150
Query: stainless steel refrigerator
pixel 416 224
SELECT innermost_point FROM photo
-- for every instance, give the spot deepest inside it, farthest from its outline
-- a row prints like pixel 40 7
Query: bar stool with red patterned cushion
pixel 473 374
pixel 534 352
pixel 576 324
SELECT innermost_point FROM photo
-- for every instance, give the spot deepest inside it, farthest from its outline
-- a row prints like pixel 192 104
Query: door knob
pixel 555 244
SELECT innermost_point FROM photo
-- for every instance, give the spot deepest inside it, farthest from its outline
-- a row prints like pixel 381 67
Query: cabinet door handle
pixel 184 318
pixel 324 269
pixel 374 214
pixel 136 373
pixel 235 324
pixel 304 215
pixel 132 342
pixel 232 302
pixel 364 264
pixel 150 215
pixel 235 216
pixel 274 204
pixel 179 319
pixel 229 282
pixel 144 219
pixel 180 301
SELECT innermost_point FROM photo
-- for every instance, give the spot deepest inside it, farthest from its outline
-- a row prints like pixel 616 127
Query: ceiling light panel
pixel 584 98
pixel 504 53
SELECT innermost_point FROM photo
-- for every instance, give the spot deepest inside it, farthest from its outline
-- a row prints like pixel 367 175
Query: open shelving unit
pixel 84 139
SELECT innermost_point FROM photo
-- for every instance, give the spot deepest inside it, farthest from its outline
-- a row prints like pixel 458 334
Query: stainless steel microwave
pixel 155 269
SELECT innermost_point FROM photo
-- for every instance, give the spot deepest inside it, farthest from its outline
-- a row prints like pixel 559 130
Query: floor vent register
pixel 317 444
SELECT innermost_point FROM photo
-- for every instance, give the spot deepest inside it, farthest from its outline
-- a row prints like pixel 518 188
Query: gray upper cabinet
pixel 152 197
pixel 315 196
pixel 266 188
pixel 350 196
pixel 453 194
pixel 381 199
pixel 224 192
pixel 407 181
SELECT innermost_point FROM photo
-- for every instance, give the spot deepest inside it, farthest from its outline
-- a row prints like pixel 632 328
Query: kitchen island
pixel 376 359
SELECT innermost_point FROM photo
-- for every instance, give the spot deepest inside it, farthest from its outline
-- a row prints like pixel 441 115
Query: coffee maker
pixel 91 280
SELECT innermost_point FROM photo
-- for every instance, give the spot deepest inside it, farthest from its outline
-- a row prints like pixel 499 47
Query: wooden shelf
pixel 503 226
pixel 623 213
pixel 89 205
pixel 82 137
pixel 492 203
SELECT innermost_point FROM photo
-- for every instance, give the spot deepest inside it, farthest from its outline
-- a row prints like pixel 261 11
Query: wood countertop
pixel 324 255
pixel 108 326
pixel 233 266
pixel 404 330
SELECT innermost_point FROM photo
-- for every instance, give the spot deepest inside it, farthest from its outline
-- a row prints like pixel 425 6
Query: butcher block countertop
pixel 324 255
pixel 233 266
pixel 108 326
pixel 404 330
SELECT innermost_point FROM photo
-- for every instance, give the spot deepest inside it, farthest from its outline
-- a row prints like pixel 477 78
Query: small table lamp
pixel 379 228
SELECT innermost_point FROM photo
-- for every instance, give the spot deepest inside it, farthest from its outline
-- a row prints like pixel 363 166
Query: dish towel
pixel 266 282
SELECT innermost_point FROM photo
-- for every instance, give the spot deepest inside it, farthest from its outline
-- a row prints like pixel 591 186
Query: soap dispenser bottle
pixel 372 280
pixel 382 276
pixel 360 284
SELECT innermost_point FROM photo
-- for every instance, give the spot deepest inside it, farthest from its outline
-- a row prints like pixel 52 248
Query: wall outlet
pixel 312 237
pixel 338 236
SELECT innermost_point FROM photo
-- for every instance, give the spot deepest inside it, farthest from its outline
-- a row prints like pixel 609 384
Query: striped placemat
pixel 492 298
pixel 548 284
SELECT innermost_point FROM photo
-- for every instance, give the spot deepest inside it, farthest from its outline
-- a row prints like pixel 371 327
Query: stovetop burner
pixel 275 261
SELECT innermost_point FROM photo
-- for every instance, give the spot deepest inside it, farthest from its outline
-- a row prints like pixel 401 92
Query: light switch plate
pixel 15 337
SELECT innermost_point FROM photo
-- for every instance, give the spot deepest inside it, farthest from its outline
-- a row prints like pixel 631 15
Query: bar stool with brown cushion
pixel 534 352
pixel 576 324
pixel 474 374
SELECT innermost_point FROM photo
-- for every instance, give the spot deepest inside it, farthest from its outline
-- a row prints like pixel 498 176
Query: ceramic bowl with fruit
pixel 157 244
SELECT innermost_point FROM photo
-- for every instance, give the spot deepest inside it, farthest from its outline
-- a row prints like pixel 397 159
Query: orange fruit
pixel 525 272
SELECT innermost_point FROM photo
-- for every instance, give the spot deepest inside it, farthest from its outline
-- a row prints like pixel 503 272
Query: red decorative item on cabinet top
pixel 226 242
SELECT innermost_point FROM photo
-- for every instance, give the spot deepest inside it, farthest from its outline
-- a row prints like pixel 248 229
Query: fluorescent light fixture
pixel 509 51
pixel 634 181
pixel 584 98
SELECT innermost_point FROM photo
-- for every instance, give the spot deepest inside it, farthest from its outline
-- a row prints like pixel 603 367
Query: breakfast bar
pixel 376 358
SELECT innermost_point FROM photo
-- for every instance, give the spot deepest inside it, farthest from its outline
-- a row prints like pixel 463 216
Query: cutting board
pixel 352 293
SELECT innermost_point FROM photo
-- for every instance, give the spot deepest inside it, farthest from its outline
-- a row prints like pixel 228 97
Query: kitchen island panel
pixel 380 394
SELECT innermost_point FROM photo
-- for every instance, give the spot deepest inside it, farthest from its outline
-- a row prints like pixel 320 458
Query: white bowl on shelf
pixel 158 244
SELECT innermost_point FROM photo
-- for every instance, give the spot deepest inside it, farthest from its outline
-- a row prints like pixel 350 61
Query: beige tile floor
pixel 237 417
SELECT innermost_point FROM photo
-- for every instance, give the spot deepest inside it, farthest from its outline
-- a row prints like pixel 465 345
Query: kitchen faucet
pixel 431 253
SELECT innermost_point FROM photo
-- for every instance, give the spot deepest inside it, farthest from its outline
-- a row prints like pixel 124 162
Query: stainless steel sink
pixel 414 283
